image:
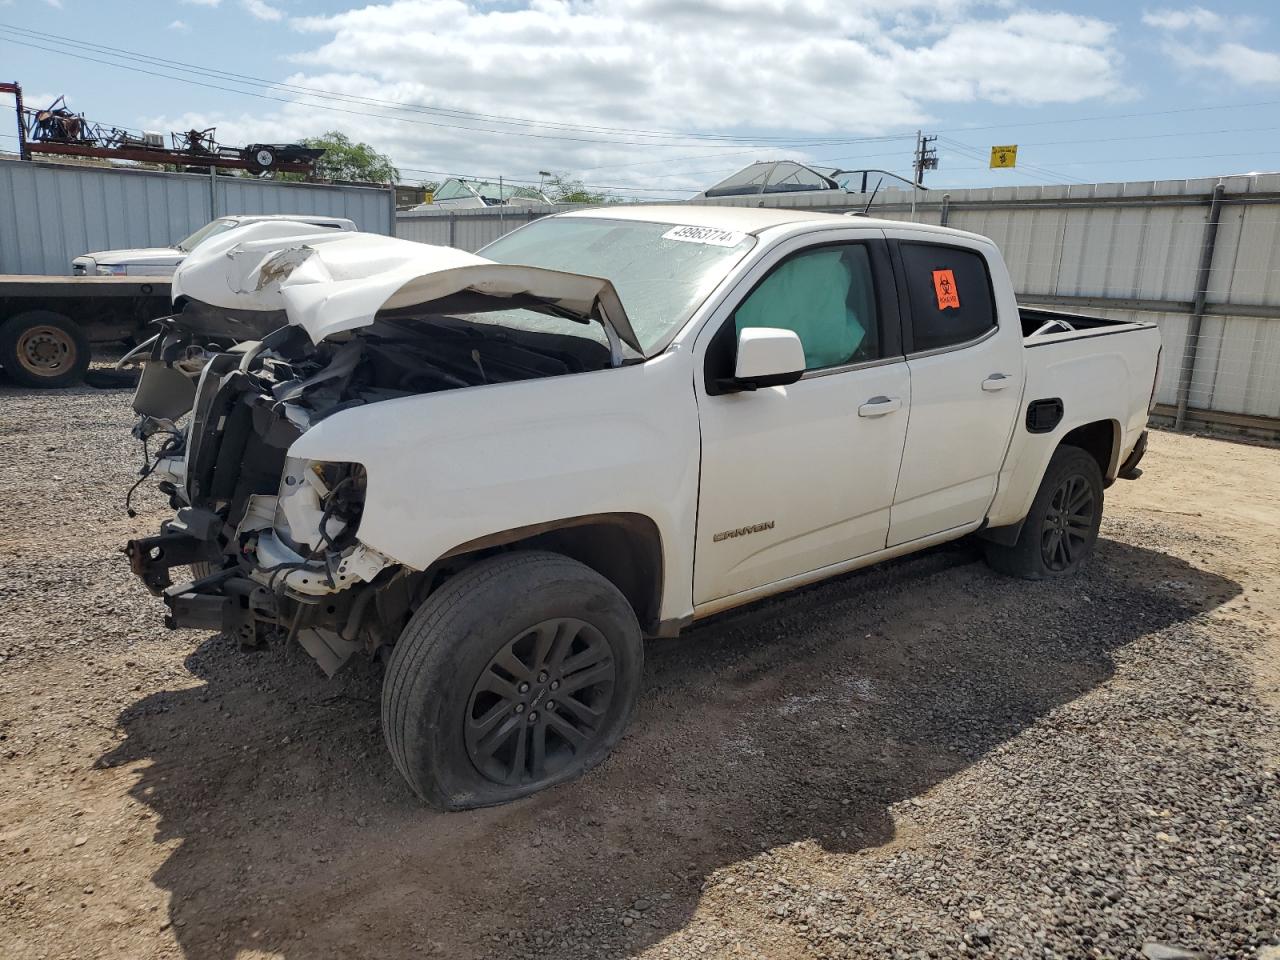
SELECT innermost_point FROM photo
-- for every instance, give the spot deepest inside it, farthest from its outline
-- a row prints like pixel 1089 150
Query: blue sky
pixel 659 97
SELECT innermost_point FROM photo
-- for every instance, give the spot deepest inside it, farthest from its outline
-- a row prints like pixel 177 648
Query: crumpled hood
pixel 332 282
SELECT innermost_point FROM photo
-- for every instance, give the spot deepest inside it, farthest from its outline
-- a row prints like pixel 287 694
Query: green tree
pixel 344 159
pixel 565 189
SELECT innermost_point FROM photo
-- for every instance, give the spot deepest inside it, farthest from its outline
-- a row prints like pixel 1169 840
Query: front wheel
pixel 1061 528
pixel 519 673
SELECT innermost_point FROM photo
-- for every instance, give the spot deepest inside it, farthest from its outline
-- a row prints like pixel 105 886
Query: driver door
pixel 800 477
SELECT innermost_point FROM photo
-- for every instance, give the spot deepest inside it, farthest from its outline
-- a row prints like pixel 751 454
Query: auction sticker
pixel 708 235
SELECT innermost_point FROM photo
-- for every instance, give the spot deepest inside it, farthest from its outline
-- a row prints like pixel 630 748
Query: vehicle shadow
pixel 803 719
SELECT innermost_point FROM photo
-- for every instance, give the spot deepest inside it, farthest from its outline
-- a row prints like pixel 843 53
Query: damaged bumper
pixel 261 544
pixel 312 602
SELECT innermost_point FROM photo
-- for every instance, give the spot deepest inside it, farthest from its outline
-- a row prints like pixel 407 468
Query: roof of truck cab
pixel 742 219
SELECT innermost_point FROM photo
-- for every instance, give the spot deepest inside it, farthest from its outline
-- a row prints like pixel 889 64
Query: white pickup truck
pixel 500 472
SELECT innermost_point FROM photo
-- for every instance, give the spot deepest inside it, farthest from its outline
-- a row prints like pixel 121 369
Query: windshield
pixel 211 229
pixel 662 271
pixel 501 193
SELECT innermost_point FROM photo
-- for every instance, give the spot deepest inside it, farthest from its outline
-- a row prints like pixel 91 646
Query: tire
pixel 463 719
pixel 40 348
pixel 1053 543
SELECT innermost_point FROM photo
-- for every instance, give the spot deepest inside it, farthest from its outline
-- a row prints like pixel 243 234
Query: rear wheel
pixel 1060 531
pixel 41 348
pixel 519 673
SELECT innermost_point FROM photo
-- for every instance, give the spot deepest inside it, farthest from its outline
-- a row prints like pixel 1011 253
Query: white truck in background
pixel 48 325
pixel 162 261
pixel 500 472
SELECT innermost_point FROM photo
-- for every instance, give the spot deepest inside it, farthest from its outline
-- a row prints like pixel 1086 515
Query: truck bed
pixel 1055 325
pixel 1095 370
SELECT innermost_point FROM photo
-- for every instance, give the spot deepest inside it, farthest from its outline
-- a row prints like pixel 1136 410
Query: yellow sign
pixel 1006 156
pixel 428 196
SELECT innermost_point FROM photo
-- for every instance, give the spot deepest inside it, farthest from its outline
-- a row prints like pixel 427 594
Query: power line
pixel 763 141
pixel 740 153
pixel 1148 136
pixel 975 154
pixel 1197 156
pixel 246 80
pixel 652 136
pixel 1118 116
pixel 329 107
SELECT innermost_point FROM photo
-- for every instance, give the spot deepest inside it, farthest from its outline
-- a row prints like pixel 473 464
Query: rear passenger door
pixel 966 384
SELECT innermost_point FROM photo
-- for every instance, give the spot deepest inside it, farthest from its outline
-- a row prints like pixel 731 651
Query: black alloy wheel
pixel 519 672
pixel 539 703
pixel 1061 529
pixel 1069 524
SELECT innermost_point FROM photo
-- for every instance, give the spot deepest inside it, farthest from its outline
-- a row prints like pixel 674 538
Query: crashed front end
pixel 269 541
pixel 274 335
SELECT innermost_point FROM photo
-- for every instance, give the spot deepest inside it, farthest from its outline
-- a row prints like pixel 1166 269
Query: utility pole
pixel 926 159
pixel 926 155
pixel 16 89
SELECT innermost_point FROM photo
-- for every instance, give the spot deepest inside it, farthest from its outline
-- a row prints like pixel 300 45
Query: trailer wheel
pixel 259 158
pixel 40 348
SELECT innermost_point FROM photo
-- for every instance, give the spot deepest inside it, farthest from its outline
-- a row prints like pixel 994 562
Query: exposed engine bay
pixel 269 542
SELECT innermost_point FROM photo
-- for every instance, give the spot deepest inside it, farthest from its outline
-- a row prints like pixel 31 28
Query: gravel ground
pixel 920 760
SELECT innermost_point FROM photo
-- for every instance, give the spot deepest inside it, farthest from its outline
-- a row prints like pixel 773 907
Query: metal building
pixel 52 212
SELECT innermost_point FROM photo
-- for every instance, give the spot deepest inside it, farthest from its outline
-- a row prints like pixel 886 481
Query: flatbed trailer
pixel 49 324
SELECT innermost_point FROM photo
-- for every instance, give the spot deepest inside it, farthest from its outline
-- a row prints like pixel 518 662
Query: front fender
pixel 451 467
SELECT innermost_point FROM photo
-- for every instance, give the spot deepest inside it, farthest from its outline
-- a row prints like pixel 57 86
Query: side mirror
pixel 767 357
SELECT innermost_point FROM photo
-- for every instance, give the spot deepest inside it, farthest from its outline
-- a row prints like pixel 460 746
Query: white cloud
pixel 1244 65
pixel 1239 63
pixel 202 3
pixel 56 4
pixel 180 25
pixel 799 68
pixel 263 10
pixel 1197 17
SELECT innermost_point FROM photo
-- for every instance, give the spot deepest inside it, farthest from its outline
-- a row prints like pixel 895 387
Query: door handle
pixel 879 406
pixel 997 381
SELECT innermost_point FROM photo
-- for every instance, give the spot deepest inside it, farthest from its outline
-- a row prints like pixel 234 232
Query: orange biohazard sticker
pixel 944 285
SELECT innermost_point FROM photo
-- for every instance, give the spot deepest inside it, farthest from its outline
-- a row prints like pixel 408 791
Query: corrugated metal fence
pixel 469 229
pixel 1139 250
pixel 50 213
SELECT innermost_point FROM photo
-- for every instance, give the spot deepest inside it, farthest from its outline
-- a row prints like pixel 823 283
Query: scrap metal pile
pixel 58 130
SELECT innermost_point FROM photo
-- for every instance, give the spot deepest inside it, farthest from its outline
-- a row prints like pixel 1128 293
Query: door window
pixel 949 289
pixel 827 296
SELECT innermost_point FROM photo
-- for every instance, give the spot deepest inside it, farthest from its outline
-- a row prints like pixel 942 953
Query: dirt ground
pixel 923 759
